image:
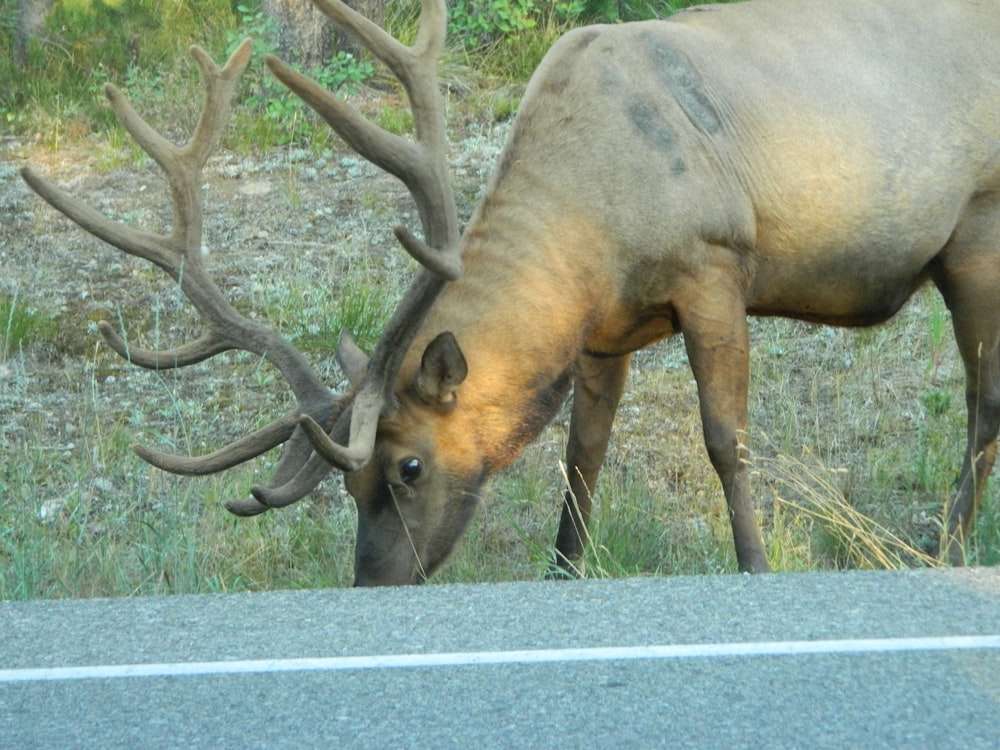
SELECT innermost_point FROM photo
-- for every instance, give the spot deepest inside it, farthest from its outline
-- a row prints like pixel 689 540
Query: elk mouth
pixel 375 569
pixel 390 552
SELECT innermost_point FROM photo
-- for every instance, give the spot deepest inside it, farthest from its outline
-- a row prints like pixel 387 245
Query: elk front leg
pixel 597 390
pixel 715 335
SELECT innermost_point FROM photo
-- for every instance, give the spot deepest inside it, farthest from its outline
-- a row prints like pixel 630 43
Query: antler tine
pixel 420 164
pixel 179 254
pixel 228 456
pixel 422 167
pixel 191 353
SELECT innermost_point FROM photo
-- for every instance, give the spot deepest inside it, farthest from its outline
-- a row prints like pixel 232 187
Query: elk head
pixel 408 521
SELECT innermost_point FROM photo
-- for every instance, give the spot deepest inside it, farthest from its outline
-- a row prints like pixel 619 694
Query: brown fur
pixel 780 157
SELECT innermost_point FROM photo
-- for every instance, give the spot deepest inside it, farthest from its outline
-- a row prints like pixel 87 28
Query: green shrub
pixel 479 24
pixel 271 114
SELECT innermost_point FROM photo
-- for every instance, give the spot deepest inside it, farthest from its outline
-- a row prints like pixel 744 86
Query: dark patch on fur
pixel 554 84
pixel 611 81
pixel 582 39
pixel 545 403
pixel 674 70
pixel 547 400
pixel 649 124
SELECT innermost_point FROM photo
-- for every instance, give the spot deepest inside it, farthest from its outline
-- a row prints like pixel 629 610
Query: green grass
pixel 22 325
pixel 76 547
pixel 88 518
pixel 838 486
pixel 86 43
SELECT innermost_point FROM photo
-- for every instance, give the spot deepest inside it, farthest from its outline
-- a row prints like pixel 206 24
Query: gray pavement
pixel 905 659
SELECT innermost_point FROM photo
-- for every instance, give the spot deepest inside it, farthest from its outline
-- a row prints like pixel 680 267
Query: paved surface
pixel 894 660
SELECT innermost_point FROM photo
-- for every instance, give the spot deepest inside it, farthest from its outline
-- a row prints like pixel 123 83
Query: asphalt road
pixel 846 660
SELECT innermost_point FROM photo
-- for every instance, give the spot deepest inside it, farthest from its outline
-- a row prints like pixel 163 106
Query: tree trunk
pixel 303 33
pixel 374 10
pixel 30 19
pixel 307 37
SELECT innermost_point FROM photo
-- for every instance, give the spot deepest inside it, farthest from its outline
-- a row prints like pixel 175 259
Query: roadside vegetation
pixel 857 435
pixel 141 47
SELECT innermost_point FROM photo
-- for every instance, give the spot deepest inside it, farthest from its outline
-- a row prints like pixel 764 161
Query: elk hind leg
pixel 969 280
pixel 982 397
pixel 597 390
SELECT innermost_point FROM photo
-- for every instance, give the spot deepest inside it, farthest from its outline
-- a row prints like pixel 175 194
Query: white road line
pixel 480 658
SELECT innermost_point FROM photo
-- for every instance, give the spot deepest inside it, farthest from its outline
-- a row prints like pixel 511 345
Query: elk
pixel 796 158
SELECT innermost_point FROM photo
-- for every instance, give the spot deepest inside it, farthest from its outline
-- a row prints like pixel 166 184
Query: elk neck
pixel 531 292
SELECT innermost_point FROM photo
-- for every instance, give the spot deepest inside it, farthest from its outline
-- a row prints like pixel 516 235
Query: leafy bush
pixel 481 23
pixel 507 38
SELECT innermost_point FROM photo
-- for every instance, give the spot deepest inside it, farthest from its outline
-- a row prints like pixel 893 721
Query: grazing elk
pixel 803 158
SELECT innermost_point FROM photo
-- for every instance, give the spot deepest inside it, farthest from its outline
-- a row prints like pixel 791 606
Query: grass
pixel 806 493
pixel 86 517
pixel 85 545
pixel 21 325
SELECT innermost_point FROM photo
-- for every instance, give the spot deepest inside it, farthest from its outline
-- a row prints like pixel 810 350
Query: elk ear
pixel 351 359
pixel 442 370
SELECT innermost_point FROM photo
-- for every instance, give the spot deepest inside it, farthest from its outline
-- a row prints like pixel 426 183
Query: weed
pixel 937 327
pixel 313 316
pixel 844 534
pixel 272 115
pixel 395 120
pixel 506 39
pixel 21 325
pixel 480 24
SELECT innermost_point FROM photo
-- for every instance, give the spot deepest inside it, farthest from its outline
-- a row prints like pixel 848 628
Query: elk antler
pixel 420 165
pixel 179 254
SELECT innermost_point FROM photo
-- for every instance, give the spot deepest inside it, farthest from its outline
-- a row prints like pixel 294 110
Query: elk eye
pixel 410 469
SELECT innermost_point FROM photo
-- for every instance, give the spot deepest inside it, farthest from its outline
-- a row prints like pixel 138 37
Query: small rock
pixel 103 486
pixel 256 187
pixel 51 508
